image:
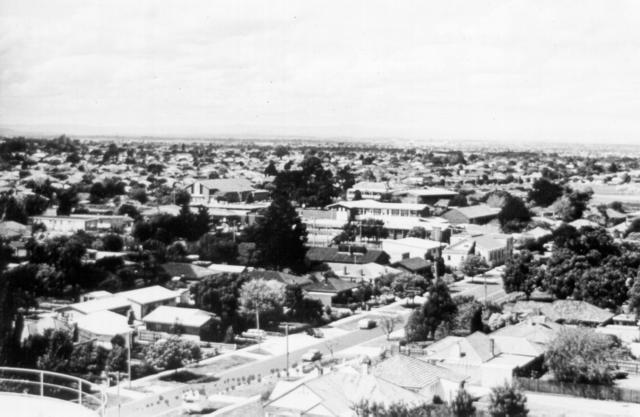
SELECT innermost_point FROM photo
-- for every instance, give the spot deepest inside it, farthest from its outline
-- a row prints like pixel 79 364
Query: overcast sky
pixel 477 69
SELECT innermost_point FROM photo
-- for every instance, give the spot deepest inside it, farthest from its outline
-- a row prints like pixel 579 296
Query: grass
pixel 223 364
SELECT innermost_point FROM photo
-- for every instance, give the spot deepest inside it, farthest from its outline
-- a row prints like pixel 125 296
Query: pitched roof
pixel 323 254
pixel 412 373
pixel 478 211
pixel 574 311
pixel 227 185
pixel 283 277
pixel 148 295
pixel 331 285
pixel 477 347
pixel 99 304
pixel 188 271
pixel 191 317
pixel 414 264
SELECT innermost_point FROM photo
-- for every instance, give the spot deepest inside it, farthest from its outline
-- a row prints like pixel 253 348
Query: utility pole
pixel 129 341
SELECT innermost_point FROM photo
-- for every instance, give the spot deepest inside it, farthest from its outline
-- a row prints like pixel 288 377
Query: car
pixel 312 355
pixel 366 324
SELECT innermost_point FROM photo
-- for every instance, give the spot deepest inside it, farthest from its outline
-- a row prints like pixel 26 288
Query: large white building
pixel 85 222
pixel 411 247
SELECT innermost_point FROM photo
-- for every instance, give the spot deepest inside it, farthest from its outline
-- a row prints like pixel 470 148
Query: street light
pixel 286 335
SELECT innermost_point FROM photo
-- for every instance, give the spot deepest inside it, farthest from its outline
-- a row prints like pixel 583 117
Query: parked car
pixel 312 355
pixel 366 324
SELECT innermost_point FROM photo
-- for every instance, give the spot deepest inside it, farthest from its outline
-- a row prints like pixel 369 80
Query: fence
pixel 596 392
pixel 55 385
pixel 631 367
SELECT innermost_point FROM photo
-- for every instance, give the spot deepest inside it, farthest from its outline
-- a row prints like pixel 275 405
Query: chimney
pixel 436 234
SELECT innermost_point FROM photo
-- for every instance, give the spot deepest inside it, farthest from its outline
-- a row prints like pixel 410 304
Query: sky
pixel 539 70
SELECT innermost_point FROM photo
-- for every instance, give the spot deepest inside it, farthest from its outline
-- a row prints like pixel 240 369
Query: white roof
pixel 99 304
pixel 148 294
pixel 432 191
pixel 413 242
pixel 373 204
pixel 104 323
pixel 191 317
pixel 229 268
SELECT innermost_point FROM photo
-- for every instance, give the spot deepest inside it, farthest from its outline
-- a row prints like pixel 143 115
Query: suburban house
pixel 145 300
pixel 411 247
pixel 335 393
pixel 328 288
pixel 85 222
pixel 370 190
pixel 116 304
pixel 102 326
pixel 428 196
pixel 416 265
pixel 479 214
pixel 495 249
pixel 187 272
pixel 283 277
pixel 346 254
pixel 179 320
pixel 228 189
pixel 573 312
pixel 477 356
pixel 372 209
pixel 362 272
pixel 419 376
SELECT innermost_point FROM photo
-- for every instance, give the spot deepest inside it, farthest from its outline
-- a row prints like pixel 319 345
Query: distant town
pixel 302 278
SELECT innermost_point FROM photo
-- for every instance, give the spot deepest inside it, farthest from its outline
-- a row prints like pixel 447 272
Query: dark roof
pixel 316 254
pixel 187 271
pixel 413 264
pixel 331 285
pixel 283 277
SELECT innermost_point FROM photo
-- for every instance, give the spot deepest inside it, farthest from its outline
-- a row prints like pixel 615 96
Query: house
pixel 179 320
pixel 566 312
pixel 116 304
pixel 417 265
pixel 411 247
pixel 231 190
pixel 419 376
pixel 528 337
pixel 327 288
pixel 494 248
pixel 362 272
pixel 13 230
pixel 479 214
pixel 346 254
pixel 283 277
pixel 372 209
pixel 369 190
pixel 334 394
pixel 428 196
pixel 102 326
pixel 228 269
pixel 186 271
pixel 478 357
pixel 85 222
pixel 145 300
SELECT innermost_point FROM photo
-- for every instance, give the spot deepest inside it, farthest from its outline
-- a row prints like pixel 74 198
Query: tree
pixel 462 404
pixel 139 194
pixel 67 200
pixel 418 232
pixel 437 309
pixel 573 204
pixel 514 215
pixel 217 249
pixel 280 236
pixel 474 265
pixel 260 296
pixel 129 210
pixel 112 243
pixel 634 296
pixel 519 273
pixel 388 324
pixel 301 308
pixel 580 355
pixel 220 295
pixel 172 353
pixel 57 352
pixel 182 198
pixel 366 408
pixel 507 401
pixel 544 192
pixel 271 169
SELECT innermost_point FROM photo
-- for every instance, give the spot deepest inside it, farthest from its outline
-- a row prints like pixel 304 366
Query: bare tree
pixel 388 324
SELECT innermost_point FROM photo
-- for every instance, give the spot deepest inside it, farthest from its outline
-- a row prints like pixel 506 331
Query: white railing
pixel 55 385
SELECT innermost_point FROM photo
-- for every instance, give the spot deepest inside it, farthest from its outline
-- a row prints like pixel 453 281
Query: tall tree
pixel 261 297
pixel 280 236
pixel 544 192
pixel 519 273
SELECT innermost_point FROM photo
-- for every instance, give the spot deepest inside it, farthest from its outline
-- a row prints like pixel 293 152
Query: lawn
pixel 222 364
